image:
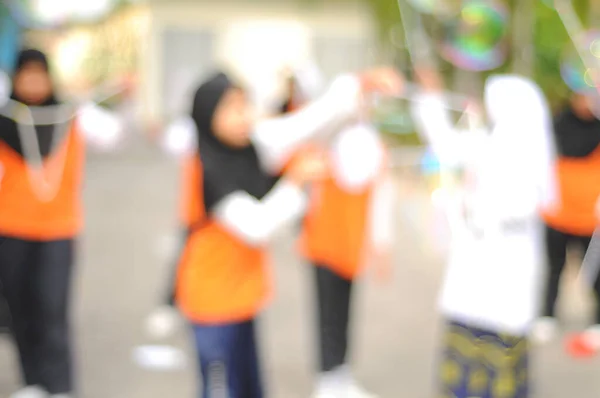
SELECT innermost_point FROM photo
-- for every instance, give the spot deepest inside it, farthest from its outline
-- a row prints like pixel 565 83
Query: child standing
pixel 223 280
pixel 491 291
pixel 349 223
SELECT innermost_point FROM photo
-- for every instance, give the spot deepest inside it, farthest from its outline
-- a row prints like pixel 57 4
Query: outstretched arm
pixel 433 121
pixel 277 139
pixel 257 221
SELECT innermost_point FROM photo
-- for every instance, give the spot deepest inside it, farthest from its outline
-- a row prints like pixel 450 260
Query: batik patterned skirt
pixel 479 363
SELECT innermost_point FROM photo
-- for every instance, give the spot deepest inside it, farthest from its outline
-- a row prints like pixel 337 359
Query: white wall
pixel 256 41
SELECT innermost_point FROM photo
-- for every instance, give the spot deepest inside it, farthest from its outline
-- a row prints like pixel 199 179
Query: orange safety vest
pixel 579 190
pixel 221 279
pixel 22 214
pixel 335 227
pixel 190 205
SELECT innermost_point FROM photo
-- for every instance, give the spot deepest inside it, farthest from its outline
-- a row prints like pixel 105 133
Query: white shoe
pixel 356 391
pixel 339 384
pixel 30 392
pixel 592 336
pixel 544 330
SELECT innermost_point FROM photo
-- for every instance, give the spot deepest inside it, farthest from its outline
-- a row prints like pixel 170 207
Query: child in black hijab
pixel 223 281
pixel 41 217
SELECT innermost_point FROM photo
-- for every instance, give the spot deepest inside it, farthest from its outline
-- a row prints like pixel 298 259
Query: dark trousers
pixel 333 308
pixel 229 360
pixel 557 243
pixel 36 279
pixel 4 313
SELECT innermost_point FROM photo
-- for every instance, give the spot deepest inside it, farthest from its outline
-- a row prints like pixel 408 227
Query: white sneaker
pixel 592 336
pixel 356 391
pixel 30 392
pixel 544 330
pixel 326 394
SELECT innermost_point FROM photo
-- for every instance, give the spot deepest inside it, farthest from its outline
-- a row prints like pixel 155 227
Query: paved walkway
pixel 131 206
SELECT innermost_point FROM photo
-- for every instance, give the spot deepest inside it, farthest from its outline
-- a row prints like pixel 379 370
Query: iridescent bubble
pixel 476 37
pixel 582 75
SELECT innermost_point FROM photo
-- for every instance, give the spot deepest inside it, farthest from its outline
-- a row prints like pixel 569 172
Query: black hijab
pixel 225 169
pixel 9 132
pixel 576 137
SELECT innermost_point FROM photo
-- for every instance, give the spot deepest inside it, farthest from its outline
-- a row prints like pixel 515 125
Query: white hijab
pixel 517 172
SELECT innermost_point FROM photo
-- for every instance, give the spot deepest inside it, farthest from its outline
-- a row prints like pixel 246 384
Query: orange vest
pixel 190 206
pixel 579 190
pixel 22 214
pixel 335 228
pixel 220 279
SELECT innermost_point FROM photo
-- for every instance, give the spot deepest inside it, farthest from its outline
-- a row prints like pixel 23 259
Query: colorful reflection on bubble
pixel 580 75
pixel 475 39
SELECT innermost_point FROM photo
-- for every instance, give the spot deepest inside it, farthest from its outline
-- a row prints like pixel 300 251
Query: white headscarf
pixel 521 149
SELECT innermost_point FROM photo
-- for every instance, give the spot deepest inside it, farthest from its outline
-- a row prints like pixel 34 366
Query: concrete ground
pixel 131 202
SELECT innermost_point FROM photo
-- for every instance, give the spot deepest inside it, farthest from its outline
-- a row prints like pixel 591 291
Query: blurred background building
pixel 257 39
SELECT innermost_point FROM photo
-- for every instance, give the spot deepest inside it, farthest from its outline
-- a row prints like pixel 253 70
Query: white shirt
pixel 494 265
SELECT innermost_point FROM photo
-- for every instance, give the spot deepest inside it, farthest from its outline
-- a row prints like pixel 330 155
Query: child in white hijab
pixel 491 291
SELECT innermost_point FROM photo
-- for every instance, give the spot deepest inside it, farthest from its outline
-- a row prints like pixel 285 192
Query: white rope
pixel 45 180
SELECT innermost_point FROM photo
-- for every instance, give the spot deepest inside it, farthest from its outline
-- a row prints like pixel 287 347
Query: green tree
pixel 550 39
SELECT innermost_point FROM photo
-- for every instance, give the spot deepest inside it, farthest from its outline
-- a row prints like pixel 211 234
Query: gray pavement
pixel 131 202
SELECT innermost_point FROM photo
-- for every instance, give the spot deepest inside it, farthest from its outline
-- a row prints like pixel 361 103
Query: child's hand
pixel 429 79
pixel 308 167
pixel 385 81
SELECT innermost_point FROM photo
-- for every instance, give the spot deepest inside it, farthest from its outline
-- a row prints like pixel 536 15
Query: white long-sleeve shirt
pixel 256 221
pixel 495 263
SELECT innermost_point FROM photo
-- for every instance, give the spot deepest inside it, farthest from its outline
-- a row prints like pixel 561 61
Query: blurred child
pixel 178 141
pixel 349 223
pixel 223 281
pixel 577 137
pixel 490 294
pixel 42 150
pixel 303 84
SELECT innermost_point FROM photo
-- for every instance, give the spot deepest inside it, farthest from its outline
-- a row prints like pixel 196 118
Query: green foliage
pixel 550 38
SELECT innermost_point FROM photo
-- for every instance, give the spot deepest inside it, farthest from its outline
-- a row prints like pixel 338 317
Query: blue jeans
pixel 228 360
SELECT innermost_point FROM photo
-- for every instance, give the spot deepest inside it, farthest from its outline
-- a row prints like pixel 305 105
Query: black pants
pixel 172 287
pixel 36 278
pixel 4 313
pixel 333 307
pixel 557 243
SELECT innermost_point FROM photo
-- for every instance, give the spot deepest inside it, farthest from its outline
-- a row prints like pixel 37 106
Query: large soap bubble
pixel 475 39
pixel 580 76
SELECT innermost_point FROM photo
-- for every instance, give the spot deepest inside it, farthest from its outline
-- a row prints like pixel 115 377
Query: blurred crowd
pixel 518 187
